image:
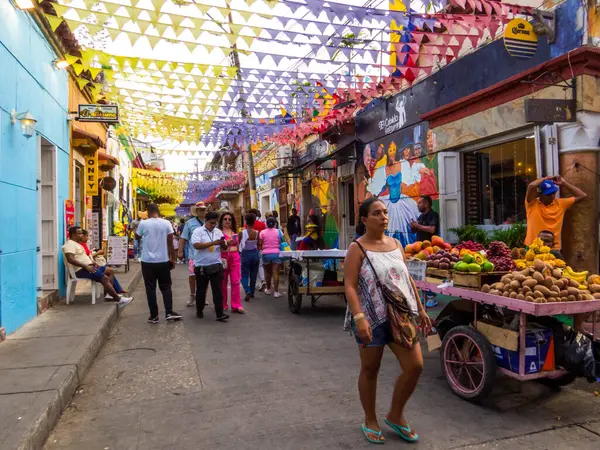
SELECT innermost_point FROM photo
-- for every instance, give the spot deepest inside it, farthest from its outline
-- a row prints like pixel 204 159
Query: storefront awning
pixel 85 141
pixel 106 161
pixel 227 195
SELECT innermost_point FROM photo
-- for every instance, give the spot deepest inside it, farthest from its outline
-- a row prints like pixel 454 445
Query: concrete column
pixel 579 165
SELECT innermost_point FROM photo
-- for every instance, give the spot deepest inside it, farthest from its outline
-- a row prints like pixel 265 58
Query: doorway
pixel 347 222
pixel 47 218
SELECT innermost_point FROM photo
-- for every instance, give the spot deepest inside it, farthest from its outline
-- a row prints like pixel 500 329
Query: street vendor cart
pixel 473 350
pixel 302 280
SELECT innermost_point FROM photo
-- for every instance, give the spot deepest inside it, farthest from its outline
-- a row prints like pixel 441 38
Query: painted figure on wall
pixel 323 190
pixel 399 172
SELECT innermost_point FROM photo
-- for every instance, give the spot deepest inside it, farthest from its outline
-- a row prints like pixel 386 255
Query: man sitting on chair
pixel 100 261
pixel 84 266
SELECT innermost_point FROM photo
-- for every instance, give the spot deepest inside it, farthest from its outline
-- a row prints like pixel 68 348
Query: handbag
pixel 283 245
pixel 403 326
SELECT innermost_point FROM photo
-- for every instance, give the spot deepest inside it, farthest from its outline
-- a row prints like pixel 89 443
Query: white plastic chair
pixel 72 284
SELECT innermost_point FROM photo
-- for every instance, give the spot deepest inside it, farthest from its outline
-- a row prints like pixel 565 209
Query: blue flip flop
pixel 366 430
pixel 401 430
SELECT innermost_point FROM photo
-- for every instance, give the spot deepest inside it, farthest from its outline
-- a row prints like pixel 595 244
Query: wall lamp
pixel 25 4
pixel 27 122
pixel 60 63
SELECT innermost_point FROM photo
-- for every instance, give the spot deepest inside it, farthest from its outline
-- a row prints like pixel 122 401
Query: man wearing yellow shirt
pixel 544 211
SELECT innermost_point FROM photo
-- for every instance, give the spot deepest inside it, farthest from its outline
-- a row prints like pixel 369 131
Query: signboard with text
pixel 98 113
pixel 387 117
pixel 91 174
pixel 542 110
pixel 117 251
pixel 69 216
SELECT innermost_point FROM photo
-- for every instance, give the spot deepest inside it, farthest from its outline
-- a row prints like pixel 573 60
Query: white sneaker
pixel 268 291
pixel 276 294
pixel 125 301
pixel 191 301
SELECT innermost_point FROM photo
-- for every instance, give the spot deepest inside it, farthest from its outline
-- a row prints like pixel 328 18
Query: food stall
pixel 504 321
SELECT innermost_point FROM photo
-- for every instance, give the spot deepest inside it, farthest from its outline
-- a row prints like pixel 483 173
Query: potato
pixel 529 298
pixel 596 295
pixel 538 277
pixel 539 265
pixel 514 285
pixel 579 297
pixel 495 292
pixel 538 294
pixel 526 272
pixel 513 294
pixel 548 282
pixel 529 282
pixel 556 273
pixel 594 288
pixel 506 294
pixel 539 300
pixel 573 283
pixel 564 293
pixel 560 284
pixel 527 290
pixel 520 297
pixel 485 288
pixel 552 300
pixel 543 289
pixel 572 291
pixel 589 297
pixel 506 279
pixel 564 299
pixel 519 277
pixel 499 286
pixel 555 289
pixel 571 298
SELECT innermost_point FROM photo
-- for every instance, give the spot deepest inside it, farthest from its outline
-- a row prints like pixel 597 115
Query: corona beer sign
pixel 520 40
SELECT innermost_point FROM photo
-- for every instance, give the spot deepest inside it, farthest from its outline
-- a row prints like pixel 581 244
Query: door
pixel 47 218
pixel 451 197
pixel 346 195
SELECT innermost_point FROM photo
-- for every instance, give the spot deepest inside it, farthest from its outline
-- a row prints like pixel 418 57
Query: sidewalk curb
pixel 34 435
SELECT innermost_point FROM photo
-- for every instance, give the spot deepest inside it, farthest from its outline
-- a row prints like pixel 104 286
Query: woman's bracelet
pixel 359 316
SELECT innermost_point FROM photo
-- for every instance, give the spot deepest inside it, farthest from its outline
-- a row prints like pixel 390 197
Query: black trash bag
pixel 576 353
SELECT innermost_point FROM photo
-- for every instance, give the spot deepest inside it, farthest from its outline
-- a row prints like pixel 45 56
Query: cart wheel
pixel 313 301
pixel 468 363
pixel 558 381
pixel 294 297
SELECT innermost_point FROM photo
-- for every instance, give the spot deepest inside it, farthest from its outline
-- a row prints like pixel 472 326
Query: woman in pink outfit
pixel 233 266
pixel 270 241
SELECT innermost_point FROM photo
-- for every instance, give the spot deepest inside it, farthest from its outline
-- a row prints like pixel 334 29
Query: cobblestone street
pixel 275 380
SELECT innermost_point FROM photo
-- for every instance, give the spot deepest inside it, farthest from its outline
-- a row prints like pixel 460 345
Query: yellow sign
pixel 520 40
pixel 91 174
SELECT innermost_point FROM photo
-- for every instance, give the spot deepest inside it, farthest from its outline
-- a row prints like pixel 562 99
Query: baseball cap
pixel 548 187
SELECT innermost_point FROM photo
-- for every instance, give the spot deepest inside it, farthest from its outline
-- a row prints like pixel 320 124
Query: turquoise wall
pixel 28 81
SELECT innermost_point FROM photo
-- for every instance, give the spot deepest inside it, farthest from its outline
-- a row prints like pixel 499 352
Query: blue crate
pixel 537 343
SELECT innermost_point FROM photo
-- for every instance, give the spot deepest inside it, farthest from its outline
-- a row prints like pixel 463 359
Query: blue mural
pixel 28 81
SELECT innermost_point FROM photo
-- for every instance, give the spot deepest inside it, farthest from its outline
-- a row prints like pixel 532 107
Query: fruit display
pixel 474 263
pixel 579 277
pixel 537 250
pixel 543 283
pixel 422 249
pixel 500 255
pixel 470 245
pixel 442 260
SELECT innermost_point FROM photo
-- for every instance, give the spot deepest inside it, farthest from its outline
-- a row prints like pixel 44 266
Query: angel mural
pixel 398 174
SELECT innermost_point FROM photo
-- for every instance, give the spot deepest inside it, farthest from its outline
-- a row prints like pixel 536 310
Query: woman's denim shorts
pixel 382 335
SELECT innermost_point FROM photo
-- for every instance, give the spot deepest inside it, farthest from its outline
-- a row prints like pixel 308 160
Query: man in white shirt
pixel 208 241
pixel 86 268
pixel 158 259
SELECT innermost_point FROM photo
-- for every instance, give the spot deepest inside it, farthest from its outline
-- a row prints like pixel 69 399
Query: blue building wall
pixel 28 81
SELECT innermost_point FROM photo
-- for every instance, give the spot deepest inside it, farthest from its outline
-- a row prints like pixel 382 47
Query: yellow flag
pixel 113 33
pixel 82 83
pixel 60 9
pixel 191 46
pixel 71 59
pixel 153 41
pixel 78 68
pixel 54 21
pixel 93 29
pixel 122 21
pixel 102 17
pixel 248 40
pixel 112 8
pixel 94 71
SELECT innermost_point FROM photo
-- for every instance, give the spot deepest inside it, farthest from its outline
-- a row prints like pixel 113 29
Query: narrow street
pixel 275 380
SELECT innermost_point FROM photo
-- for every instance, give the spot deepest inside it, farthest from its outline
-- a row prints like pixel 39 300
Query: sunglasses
pixel 227 218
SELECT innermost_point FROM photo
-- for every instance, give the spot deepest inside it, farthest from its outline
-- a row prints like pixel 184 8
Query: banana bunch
pixel 580 277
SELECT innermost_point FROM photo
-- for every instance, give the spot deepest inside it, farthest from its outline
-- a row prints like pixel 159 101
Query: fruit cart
pixel 297 288
pixel 470 346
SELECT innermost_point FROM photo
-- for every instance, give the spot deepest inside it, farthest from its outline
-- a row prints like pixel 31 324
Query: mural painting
pixel 324 203
pixel 398 169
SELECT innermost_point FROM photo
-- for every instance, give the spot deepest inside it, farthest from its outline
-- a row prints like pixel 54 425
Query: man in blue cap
pixel 545 212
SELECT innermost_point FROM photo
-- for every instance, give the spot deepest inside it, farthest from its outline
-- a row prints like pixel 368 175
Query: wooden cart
pixel 296 290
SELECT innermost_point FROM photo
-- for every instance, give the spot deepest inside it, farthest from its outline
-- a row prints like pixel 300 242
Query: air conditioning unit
pixel 346 170
pixel 284 157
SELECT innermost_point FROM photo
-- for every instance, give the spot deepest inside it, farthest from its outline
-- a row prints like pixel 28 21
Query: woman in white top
pixel 375 256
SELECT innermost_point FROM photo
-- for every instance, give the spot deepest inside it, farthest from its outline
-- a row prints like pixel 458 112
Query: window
pixel 495 182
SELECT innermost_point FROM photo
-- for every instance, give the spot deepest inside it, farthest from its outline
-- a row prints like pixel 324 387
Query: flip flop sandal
pixel 366 430
pixel 403 431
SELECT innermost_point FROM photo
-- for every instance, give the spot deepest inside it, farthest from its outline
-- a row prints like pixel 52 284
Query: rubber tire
pixel 558 382
pixel 489 360
pixel 294 298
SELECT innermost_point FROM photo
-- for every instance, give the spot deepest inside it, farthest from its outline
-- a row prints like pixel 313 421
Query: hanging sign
pixel 543 110
pixel 98 113
pixel 91 174
pixel 69 216
pixel 387 117
pixel 520 40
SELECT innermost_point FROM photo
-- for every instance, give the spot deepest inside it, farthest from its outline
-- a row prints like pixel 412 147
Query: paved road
pixel 274 380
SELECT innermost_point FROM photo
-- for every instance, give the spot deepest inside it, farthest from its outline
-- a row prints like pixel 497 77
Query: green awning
pixel 141 192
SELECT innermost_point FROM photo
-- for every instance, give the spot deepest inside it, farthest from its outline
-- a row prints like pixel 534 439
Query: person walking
pixel 158 259
pixel 249 240
pixel 209 241
pixel 294 228
pixel 271 240
pixel 232 263
pixel 259 226
pixel 376 279
pixel 197 212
